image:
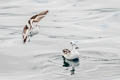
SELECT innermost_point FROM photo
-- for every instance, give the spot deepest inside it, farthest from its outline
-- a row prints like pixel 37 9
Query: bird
pixel 72 54
pixel 30 29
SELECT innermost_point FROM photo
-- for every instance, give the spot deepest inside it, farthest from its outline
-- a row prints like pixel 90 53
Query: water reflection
pixel 71 63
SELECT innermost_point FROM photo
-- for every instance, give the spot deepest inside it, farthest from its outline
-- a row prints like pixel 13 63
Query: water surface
pixel 95 23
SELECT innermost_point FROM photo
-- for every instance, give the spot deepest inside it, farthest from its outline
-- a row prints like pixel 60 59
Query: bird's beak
pixel 76 47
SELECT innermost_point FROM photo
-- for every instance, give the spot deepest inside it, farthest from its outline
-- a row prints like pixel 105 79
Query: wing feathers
pixel 38 18
pixel 40 14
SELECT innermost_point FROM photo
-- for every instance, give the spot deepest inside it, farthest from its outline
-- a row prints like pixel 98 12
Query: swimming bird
pixel 30 29
pixel 72 54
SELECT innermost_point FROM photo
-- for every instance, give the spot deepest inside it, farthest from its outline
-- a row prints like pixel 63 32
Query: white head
pixel 74 44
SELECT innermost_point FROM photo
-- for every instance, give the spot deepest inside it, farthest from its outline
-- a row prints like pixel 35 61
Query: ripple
pixel 40 1
pixel 9 7
pixel 11 14
pixel 101 10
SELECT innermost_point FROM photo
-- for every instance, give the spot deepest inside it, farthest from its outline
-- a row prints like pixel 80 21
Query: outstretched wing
pixel 40 14
pixel 37 19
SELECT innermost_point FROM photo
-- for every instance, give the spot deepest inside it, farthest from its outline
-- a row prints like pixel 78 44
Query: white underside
pixel 73 55
pixel 34 31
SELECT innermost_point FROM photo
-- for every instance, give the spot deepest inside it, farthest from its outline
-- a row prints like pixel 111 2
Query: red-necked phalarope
pixel 29 29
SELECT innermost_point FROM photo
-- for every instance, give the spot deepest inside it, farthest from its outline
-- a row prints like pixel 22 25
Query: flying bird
pixel 29 29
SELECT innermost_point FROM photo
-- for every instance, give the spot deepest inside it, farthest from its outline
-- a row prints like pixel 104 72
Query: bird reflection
pixel 71 63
